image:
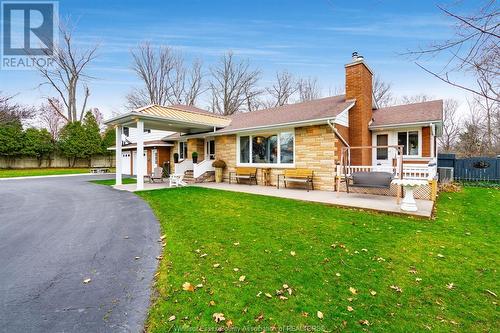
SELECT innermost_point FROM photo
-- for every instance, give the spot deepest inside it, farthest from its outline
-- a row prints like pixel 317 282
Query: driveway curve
pixel 56 232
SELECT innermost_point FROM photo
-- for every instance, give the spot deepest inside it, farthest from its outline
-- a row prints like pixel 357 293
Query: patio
pixel 355 200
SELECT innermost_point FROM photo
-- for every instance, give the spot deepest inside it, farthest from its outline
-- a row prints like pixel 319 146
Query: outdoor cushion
pixel 371 179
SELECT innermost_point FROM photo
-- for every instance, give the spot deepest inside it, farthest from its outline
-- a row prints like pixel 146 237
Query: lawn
pixel 270 263
pixel 111 182
pixel 5 173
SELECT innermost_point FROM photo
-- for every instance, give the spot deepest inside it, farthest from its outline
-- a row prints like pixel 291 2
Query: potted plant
pixel 195 157
pixel 219 166
pixel 176 157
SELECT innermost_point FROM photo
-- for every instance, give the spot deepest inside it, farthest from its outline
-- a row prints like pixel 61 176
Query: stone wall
pixel 57 161
pixel 315 149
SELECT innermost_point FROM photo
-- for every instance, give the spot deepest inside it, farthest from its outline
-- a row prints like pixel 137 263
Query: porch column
pixel 140 155
pixel 118 157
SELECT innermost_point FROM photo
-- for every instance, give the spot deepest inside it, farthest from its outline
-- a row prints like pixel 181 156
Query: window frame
pixel 419 141
pixel 181 151
pixel 278 163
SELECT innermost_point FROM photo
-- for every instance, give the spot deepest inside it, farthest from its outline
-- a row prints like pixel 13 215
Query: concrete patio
pixel 354 200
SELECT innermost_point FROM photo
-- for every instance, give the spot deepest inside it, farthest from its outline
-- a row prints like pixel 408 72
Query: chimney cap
pixel 356 56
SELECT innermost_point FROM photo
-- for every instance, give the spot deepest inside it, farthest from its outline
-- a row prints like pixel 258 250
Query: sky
pixel 312 38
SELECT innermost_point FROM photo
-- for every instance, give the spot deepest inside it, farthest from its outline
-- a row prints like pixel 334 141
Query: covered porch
pixel 172 119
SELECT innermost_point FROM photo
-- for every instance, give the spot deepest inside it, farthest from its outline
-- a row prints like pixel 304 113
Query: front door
pixel 210 149
pixel 154 159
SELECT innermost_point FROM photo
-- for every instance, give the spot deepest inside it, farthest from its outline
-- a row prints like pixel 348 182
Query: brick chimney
pixel 358 86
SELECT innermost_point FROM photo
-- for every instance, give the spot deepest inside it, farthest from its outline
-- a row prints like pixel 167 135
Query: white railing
pixel 183 166
pixel 410 171
pixel 202 167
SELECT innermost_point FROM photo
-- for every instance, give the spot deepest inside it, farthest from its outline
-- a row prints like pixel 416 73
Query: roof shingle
pixel 408 113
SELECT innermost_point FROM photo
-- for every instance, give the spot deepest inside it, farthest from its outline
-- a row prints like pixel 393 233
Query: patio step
pixel 188 177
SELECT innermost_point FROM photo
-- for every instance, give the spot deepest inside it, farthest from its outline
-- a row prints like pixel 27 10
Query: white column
pixel 118 157
pixel 140 155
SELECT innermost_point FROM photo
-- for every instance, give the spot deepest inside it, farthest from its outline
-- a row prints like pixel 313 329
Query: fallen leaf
pixel 187 286
pixel 242 278
pixel 229 323
pixel 320 314
pixel 87 280
pixel 216 265
pixel 159 257
pixel 440 255
pixel 491 293
pixel 305 314
pixel 199 285
pixel 203 255
pixel 236 244
pixel 418 279
pixel 211 303
pixel 337 274
pixel 171 318
pixel 397 289
pixel 259 317
pixel 292 253
pixel 349 308
pixel 259 293
pixel 137 258
pixel 283 297
pixel 236 269
pixel 163 237
pixel 352 290
pixel 268 295
pixel 450 285
pixel 364 250
pixel 285 286
pixel 218 317
pixel 373 292
pixel 364 322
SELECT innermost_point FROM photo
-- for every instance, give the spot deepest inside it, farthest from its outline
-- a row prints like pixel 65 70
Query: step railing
pixel 200 168
pixel 183 166
pixel 410 171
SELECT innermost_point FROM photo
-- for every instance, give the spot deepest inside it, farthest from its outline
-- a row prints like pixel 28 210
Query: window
pixel 382 140
pixel 210 149
pixel 273 148
pixel 183 150
pixel 410 142
pixel 126 131
pixel 244 149
pixel 286 147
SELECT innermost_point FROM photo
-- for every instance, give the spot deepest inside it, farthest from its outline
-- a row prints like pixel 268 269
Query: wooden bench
pixel 304 176
pixel 99 170
pixel 249 174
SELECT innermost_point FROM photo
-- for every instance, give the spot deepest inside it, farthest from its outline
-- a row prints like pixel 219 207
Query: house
pixel 303 135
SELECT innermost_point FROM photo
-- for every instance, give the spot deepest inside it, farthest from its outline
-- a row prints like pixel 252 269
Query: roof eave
pixel 409 124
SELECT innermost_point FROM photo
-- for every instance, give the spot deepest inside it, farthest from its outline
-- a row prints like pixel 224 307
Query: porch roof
pixel 172 118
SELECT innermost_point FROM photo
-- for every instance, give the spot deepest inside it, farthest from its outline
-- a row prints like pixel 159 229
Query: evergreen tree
pixel 37 143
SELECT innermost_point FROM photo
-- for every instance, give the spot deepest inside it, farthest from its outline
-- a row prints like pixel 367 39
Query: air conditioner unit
pixel 445 175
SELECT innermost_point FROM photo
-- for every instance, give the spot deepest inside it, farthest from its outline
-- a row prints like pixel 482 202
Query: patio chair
pixel 177 180
pixel 156 175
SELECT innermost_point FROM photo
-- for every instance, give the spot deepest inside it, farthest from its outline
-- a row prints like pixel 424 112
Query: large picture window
pixel 409 141
pixel 271 148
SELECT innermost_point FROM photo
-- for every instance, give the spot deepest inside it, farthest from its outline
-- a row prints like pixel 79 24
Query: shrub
pixel 219 164
pixel 194 154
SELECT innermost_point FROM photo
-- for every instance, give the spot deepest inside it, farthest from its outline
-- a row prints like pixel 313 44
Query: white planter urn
pixel 409 204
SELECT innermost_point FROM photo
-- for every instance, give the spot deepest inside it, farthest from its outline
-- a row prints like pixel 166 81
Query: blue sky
pixel 308 38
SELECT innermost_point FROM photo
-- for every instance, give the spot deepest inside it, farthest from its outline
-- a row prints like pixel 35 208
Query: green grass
pixel 111 182
pixel 6 173
pixel 372 252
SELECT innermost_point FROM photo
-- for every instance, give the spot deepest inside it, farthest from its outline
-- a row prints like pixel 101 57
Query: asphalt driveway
pixel 56 232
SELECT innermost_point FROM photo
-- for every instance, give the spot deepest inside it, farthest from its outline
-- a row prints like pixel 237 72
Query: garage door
pixel 126 163
pixel 144 160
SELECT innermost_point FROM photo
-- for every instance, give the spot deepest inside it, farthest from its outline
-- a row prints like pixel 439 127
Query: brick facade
pixel 359 86
pixel 426 141
pixel 196 145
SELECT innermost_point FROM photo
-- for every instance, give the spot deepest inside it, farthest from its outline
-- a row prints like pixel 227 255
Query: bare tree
pixel 50 117
pixel 474 50
pixel 418 98
pixel 165 78
pixel 69 73
pixel 233 86
pixel 283 89
pixel 13 112
pixel 308 89
pixel 382 92
pixel 451 125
